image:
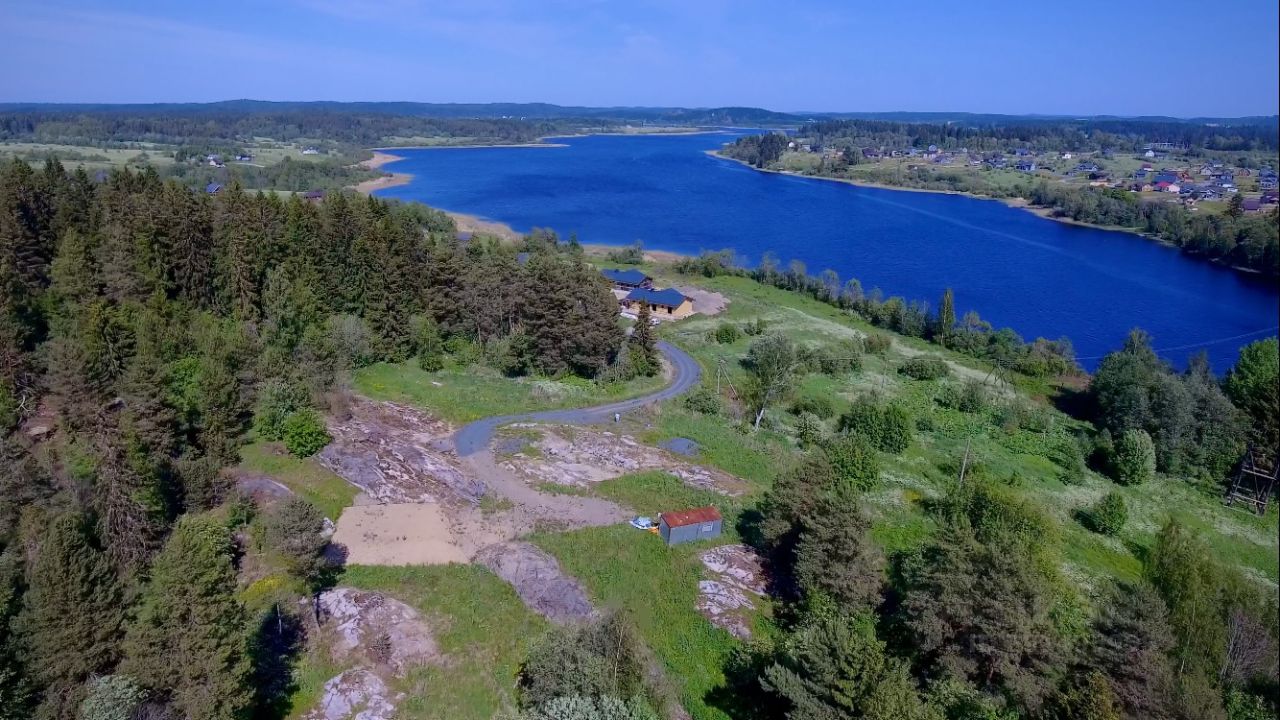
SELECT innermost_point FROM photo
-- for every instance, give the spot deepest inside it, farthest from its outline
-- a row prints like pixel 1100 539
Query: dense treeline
pixel 1076 136
pixel 1249 241
pixel 360 129
pixel 144 328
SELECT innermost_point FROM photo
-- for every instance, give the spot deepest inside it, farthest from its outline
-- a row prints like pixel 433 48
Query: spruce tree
pixel 189 638
pixel 73 618
pixel 643 345
pixel 835 555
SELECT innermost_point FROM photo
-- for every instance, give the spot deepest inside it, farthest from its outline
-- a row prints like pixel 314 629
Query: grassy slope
pixel 306 477
pixel 658 586
pixel 466 394
pixel 482 629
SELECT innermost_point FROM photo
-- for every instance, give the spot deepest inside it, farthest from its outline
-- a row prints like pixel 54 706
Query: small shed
pixel 685 526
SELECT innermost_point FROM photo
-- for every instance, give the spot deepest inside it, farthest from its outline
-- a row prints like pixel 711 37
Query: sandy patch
pixel 705 302
pixel 583 456
pixel 399 534
pixel 480 226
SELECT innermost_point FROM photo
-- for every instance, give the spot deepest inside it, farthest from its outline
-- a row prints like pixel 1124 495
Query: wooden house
pixel 666 304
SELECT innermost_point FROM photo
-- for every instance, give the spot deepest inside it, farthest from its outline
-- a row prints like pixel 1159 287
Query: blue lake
pixel 1038 276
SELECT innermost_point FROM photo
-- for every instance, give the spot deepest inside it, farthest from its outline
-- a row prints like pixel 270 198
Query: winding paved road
pixel 475 436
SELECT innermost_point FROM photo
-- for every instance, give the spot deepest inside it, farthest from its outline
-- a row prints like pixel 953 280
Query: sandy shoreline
pixel 387 180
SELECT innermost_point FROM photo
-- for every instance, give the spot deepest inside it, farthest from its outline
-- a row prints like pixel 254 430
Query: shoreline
pixel 366 187
pixel 1013 202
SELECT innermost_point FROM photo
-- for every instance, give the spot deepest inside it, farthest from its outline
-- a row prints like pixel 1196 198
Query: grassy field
pixel 304 476
pixel 466 394
pixel 482 628
pixel 657 587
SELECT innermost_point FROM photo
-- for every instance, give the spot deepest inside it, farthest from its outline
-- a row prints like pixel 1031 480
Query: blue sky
pixel 1177 57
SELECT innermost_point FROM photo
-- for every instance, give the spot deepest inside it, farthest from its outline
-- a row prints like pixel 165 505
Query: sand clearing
pixel 400 534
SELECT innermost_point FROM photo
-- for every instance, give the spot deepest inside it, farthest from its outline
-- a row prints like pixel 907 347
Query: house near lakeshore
pixel 668 304
pixel 627 279
pixel 683 526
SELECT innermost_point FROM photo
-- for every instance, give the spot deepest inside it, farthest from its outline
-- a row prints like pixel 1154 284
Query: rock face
pixel 374 629
pixel 538 580
pixel 727 597
pixel 391 452
pixel 356 695
pixel 580 456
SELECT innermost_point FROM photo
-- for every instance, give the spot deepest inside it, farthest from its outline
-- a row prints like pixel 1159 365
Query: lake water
pixel 1038 276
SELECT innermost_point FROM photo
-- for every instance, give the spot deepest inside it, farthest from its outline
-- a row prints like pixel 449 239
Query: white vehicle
pixel 641 522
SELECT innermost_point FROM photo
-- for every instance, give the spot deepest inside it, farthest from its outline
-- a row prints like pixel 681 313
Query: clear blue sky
pixel 1176 57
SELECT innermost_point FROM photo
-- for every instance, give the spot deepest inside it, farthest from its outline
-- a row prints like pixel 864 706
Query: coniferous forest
pixel 144 328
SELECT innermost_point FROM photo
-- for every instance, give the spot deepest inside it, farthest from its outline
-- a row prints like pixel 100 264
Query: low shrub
pixel 819 405
pixel 877 343
pixel 886 427
pixel 276 401
pixel 755 327
pixel 704 400
pixel 304 433
pixel 854 460
pixel 1108 516
pixel 925 367
pixel 726 333
pixel 809 429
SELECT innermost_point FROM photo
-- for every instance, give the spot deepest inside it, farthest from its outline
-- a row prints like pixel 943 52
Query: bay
pixel 1038 276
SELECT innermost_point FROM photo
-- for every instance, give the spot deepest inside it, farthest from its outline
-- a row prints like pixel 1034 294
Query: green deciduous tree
pixel 1254 386
pixel 1134 458
pixel 772 364
pixel 304 433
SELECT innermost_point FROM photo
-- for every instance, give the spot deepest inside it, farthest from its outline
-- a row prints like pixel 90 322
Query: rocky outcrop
pixel 538 580
pixel 356 694
pixel 371 628
pixel 392 453
pixel 735 579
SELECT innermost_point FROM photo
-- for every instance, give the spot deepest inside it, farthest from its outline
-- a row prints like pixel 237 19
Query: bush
pixel 1133 461
pixel 925 367
pixel 304 433
pixel 351 341
pixel 726 333
pixel 887 428
pixel 877 343
pixel 294 528
pixel 973 398
pixel 854 460
pixel 843 358
pixel 808 429
pixel 819 405
pixel 1108 516
pixel 276 401
pixel 703 400
pixel 755 327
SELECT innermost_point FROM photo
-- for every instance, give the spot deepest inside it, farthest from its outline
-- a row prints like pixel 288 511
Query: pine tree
pixel 73 620
pixel 642 345
pixel 835 555
pixel 835 667
pixel 1130 646
pixel 189 637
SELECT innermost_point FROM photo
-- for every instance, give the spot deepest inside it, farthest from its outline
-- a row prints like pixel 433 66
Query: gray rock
pixel 539 581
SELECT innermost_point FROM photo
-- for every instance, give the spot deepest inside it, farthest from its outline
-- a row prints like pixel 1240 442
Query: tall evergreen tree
pixel 642 345
pixel 946 321
pixel 73 620
pixel 189 638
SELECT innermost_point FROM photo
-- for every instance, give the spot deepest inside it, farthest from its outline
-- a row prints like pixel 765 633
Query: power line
pixel 1205 343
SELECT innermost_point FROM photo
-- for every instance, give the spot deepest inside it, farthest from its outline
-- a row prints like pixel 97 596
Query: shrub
pixel 887 428
pixel 351 341
pixel 839 359
pixel 755 327
pixel 808 429
pixel 703 400
pixel 1134 459
pixel 819 405
pixel 877 343
pixel 726 333
pixel 925 367
pixel 304 433
pixel 1108 516
pixel 276 401
pixel 973 398
pixel 854 460
pixel 294 528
